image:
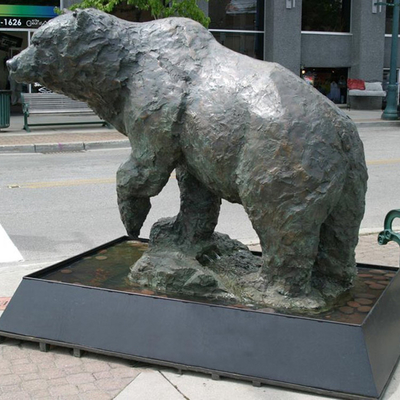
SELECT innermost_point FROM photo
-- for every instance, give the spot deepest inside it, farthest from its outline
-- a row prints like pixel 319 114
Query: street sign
pixel 19 16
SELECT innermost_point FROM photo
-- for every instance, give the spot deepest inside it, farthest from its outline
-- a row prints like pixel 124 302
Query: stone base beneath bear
pixel 221 271
pixel 218 270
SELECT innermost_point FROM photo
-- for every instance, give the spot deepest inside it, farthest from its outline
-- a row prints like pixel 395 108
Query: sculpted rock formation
pixel 233 127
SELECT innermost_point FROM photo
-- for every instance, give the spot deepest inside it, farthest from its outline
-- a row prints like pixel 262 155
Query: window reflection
pixel 237 14
pixel 250 44
pixel 326 15
pixel 389 20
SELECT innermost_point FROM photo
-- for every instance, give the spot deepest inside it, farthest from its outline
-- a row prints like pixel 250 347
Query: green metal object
pixel 25 110
pixel 388 235
pixel 5 108
pixel 391 112
pixel 27 125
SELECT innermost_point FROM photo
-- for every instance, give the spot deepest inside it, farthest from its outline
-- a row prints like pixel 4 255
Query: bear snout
pixel 22 67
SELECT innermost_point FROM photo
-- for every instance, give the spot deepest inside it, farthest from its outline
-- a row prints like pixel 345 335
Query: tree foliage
pixel 157 8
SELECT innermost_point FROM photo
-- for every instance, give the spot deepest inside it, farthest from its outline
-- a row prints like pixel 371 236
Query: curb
pixel 254 244
pixel 110 144
pixel 18 148
pixel 374 124
pixel 63 147
pixel 376 231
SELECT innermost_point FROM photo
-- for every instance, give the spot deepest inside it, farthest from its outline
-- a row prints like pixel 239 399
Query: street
pixel 58 205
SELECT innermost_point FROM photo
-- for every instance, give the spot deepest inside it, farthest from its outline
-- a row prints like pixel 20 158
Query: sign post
pixel 391 112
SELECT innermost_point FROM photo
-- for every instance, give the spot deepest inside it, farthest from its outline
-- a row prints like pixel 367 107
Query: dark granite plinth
pixel 348 360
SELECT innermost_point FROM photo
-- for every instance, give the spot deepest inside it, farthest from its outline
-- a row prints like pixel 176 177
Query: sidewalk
pixel 55 138
pixel 27 373
pixel 79 137
pixel 369 118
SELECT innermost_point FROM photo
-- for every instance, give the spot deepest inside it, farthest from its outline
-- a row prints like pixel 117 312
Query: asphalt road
pixel 54 206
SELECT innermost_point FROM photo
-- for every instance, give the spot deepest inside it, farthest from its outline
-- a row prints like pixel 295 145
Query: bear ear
pixel 82 17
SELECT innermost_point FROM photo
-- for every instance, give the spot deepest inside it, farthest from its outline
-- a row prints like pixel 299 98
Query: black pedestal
pixel 321 356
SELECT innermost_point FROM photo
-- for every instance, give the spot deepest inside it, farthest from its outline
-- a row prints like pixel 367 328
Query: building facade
pixel 324 41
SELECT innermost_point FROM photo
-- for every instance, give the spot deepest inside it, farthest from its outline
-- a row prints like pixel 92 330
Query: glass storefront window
pixel 230 21
pixel 250 44
pixel 331 82
pixel 326 15
pixel 389 20
pixel 236 14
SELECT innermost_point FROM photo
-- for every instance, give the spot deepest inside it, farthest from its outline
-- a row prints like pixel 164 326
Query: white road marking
pixel 8 251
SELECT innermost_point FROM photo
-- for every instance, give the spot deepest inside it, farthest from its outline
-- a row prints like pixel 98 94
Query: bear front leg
pixel 137 181
pixel 133 213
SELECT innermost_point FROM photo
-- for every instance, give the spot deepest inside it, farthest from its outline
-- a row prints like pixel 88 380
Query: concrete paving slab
pixel 152 385
pixel 393 389
pixel 11 276
pixel 196 387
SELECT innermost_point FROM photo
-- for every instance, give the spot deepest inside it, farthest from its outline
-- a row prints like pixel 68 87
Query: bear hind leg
pixel 289 245
pixel 335 263
pixel 197 218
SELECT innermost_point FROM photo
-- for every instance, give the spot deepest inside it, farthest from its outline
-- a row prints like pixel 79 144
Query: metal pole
pixel 392 94
pixel 29 33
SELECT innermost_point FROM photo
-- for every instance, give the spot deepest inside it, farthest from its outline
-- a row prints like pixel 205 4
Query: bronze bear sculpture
pixel 233 127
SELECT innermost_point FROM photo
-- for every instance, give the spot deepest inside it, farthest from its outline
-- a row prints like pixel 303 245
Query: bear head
pixel 78 54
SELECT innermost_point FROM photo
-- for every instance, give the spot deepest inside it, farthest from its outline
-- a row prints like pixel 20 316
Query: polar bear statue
pixel 233 127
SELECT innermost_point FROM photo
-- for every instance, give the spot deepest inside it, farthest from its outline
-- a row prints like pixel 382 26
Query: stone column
pixel 282 40
pixel 203 5
pixel 368 31
pixel 69 3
